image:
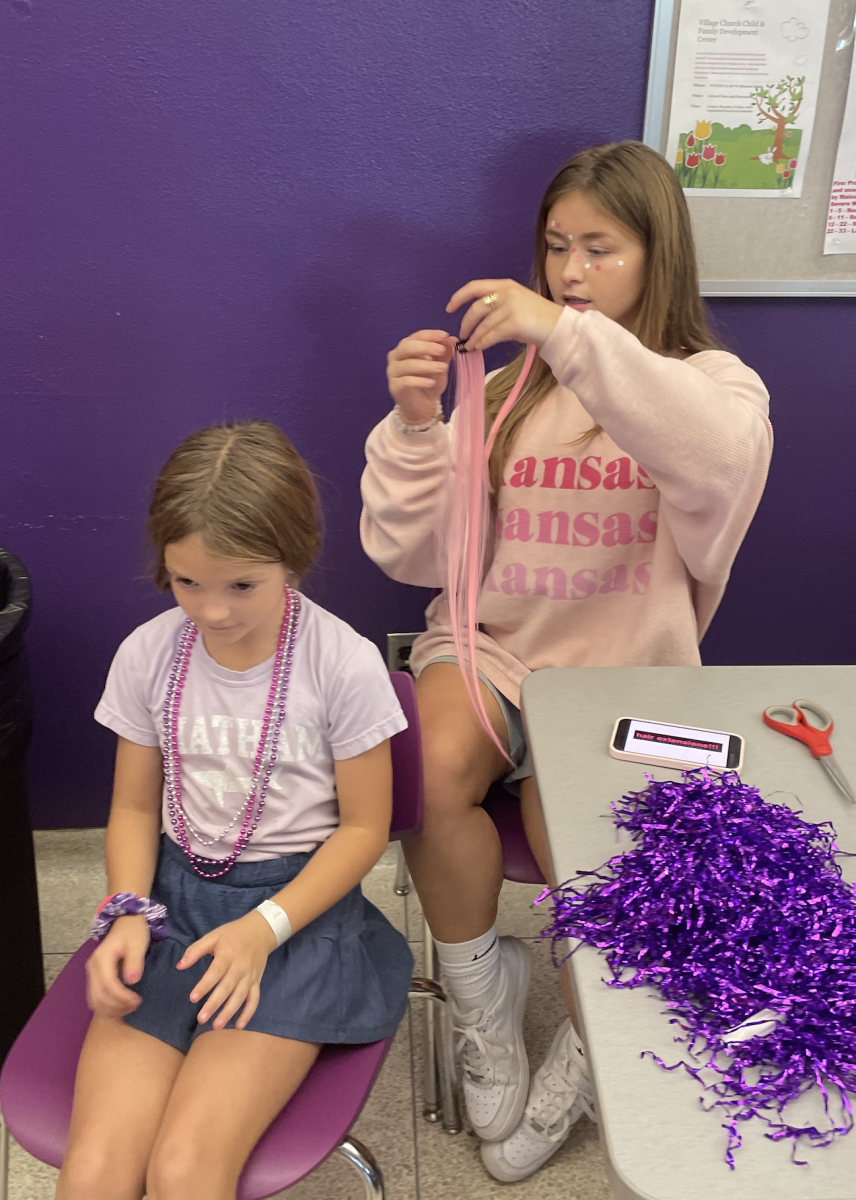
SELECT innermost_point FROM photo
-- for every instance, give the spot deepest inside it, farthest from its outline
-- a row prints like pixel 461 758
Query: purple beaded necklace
pixel 253 806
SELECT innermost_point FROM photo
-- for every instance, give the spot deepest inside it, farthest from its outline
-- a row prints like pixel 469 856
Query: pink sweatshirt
pixel 613 552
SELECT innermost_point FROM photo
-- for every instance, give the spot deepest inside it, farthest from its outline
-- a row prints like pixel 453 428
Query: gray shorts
pixel 517 747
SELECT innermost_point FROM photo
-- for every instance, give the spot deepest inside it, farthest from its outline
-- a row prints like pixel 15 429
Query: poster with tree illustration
pixel 745 94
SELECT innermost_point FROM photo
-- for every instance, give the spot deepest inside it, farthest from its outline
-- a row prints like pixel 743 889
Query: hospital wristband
pixel 278 920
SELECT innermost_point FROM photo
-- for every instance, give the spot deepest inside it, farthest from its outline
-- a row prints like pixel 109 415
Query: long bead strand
pixel 266 752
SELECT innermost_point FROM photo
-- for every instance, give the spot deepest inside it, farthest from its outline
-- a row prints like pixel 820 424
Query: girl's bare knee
pixel 454 744
pixel 173 1171
pixel 456 780
pixel 448 771
pixel 187 1168
pixel 91 1173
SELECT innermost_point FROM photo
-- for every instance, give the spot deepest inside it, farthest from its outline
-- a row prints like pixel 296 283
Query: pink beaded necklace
pixel 254 804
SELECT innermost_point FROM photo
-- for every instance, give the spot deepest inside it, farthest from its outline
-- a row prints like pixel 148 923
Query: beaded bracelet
pixel 405 428
pixel 127 904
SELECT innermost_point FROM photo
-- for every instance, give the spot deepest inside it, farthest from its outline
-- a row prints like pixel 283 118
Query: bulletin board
pixel 763 245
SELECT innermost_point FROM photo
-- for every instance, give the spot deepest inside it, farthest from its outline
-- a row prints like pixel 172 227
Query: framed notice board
pixel 747 99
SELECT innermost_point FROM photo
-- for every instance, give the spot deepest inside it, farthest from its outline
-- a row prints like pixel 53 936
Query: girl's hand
pixel 126 943
pixel 517 315
pixel 417 371
pixel 240 950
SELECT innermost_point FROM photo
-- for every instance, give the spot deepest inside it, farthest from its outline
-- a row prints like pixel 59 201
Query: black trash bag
pixel 21 969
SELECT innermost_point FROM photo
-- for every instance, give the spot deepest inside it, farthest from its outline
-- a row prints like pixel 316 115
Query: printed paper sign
pixel 841 222
pixel 747 74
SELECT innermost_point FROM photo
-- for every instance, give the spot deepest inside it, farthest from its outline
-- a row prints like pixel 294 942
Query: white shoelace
pixel 555 1097
pixel 478 1052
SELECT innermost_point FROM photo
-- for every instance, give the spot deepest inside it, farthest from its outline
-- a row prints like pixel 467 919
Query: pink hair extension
pixel 466 544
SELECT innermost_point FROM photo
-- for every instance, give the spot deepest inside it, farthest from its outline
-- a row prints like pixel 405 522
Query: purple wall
pixel 216 209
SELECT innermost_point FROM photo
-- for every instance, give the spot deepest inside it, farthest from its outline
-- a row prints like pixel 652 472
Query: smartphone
pixel 675 745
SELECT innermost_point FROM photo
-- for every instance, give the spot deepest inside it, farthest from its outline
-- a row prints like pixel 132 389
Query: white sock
pixel 471 968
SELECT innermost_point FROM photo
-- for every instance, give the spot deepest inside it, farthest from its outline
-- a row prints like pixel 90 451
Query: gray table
pixel 659 1142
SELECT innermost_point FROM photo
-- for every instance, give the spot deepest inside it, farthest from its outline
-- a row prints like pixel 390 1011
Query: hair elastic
pixel 128 904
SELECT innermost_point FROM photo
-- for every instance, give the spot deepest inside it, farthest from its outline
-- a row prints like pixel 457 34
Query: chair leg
pixel 402 875
pixel 430 1100
pixel 446 1070
pixel 363 1159
pixel 4 1159
pixel 439 1050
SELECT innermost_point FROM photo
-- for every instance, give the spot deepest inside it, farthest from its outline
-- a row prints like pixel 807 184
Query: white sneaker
pixel 561 1093
pixel 490 1044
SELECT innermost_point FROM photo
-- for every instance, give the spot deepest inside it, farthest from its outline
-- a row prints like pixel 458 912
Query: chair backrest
pixel 406 763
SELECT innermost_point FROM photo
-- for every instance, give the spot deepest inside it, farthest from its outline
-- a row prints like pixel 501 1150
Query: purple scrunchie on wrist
pixel 126 904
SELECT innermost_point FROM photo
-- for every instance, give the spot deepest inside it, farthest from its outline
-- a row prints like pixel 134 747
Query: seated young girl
pixel 254 730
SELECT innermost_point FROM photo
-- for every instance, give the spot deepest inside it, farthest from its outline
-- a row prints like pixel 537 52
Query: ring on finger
pixel 492 300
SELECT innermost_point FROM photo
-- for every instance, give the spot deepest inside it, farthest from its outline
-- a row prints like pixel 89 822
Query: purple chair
pixel 518 861
pixel 37 1081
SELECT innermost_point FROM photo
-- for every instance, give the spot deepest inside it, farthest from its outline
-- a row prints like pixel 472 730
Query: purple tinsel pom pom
pixel 736 910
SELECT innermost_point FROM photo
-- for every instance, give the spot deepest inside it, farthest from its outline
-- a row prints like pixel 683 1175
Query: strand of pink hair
pixel 470 514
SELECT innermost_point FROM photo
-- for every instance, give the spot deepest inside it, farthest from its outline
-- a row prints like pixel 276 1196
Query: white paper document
pixel 841 222
pixel 744 96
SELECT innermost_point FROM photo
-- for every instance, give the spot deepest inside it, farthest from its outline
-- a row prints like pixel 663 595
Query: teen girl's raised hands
pixel 417 372
pixel 502 310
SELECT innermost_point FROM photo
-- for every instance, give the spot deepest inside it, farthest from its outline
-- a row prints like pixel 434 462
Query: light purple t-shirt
pixel 340 703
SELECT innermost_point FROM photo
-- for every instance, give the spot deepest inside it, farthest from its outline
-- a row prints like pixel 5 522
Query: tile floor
pixel 419 1160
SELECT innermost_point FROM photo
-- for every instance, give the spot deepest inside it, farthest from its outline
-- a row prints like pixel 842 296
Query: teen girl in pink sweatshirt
pixel 624 480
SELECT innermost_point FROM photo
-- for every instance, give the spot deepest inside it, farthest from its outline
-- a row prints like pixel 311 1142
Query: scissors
pixel 794 720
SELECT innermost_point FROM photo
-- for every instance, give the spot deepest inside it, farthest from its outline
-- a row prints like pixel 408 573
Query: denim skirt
pixel 343 978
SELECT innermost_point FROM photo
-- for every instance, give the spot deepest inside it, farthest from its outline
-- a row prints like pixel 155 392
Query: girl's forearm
pixel 404 496
pixel 131 849
pixel 338 866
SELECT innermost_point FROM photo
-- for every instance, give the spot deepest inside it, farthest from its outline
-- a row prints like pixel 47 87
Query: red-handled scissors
pixel 809 723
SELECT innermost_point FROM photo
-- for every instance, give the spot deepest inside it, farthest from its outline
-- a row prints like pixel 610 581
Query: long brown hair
pixel 637 187
pixel 244 490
